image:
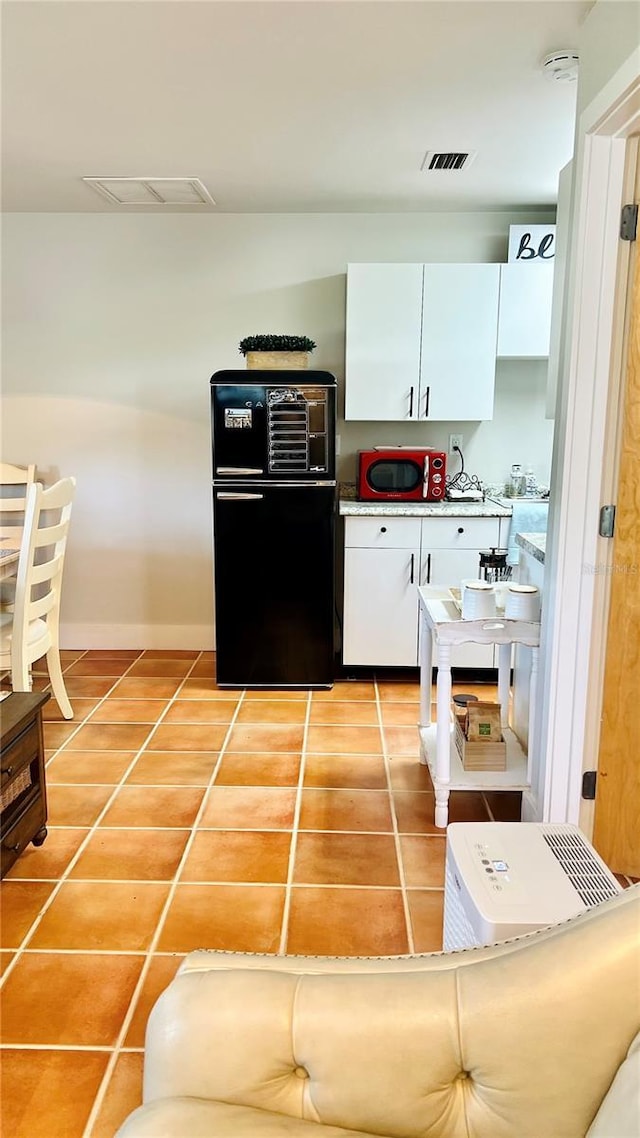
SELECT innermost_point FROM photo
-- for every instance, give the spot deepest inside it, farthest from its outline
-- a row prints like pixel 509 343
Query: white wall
pixel 113 325
pixel 608 35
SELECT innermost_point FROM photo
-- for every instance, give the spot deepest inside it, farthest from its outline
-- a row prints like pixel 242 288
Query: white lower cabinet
pixel 381 607
pixel 386 558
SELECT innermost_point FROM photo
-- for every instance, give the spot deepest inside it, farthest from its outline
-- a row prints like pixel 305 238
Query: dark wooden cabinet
pixel 23 796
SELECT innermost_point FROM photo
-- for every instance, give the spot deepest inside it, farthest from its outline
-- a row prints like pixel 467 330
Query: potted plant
pixel 269 351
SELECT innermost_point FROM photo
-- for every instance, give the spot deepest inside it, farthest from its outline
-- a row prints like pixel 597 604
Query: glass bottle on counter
pixel 530 483
pixel 517 481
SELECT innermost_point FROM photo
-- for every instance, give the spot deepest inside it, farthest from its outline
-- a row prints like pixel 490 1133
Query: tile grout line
pixel 284 932
pixel 95 825
pixel 106 1079
pixel 394 821
pixel 487 807
pixel 100 700
pixel 64 874
pixel 204 884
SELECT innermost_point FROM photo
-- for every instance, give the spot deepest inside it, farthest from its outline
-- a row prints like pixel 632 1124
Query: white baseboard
pixel 530 810
pixel 193 637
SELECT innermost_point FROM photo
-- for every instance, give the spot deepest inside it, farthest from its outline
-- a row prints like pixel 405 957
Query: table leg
pixel 443 736
pixel 426 653
pixel 533 684
pixel 426 668
pixel 504 675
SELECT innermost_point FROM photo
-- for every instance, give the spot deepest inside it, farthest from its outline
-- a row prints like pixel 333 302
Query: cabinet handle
pixel 428 569
pixel 460 529
pixel 383 529
pixel 426 402
pixel 8 771
pixel 13 849
pixel 411 403
pixel 413 561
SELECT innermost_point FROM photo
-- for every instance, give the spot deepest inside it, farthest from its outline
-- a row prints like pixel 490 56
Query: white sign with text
pixel 532 242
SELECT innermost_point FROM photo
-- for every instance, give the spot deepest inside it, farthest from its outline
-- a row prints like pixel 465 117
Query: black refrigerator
pixel 274 504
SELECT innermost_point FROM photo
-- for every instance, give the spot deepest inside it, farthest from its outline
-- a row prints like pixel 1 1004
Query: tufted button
pixel 301 1073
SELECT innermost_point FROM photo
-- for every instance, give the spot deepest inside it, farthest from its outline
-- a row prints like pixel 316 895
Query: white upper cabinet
pixel 524 324
pixel 459 333
pixel 384 312
pixel 421 341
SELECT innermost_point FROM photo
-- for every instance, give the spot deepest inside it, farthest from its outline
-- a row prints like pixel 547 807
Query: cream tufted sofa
pixel 533 1038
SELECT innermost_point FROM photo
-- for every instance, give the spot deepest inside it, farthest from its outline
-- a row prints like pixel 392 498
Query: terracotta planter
pixel 282 361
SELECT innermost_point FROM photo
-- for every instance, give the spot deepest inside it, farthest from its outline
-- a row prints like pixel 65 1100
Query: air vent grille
pixel 448 160
pixel 592 883
pixel 152 191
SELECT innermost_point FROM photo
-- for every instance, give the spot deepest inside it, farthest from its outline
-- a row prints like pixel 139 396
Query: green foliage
pixel 272 343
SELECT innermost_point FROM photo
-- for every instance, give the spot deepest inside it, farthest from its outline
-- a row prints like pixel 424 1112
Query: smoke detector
pixel 561 66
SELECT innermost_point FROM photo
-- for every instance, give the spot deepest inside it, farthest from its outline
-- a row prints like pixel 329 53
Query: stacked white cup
pixel 522 602
pixel 478 600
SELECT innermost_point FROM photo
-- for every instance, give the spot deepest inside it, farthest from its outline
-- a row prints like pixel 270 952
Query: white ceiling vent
pixel 450 160
pixel 152 191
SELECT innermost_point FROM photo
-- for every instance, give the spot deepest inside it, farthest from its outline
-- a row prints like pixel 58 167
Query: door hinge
pixel 628 222
pixel 589 785
pixel 607 521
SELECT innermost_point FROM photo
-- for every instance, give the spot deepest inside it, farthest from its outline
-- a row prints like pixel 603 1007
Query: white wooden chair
pixel 31 630
pixel 14 483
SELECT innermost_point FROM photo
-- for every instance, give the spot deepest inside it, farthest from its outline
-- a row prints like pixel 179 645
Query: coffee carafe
pixel 493 565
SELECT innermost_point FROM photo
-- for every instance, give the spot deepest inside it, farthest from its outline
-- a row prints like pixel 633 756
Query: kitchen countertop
pixel 488 509
pixel 533 543
pixel 351 507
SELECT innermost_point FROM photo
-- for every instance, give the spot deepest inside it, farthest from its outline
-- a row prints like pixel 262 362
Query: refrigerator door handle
pixel 229 496
pixel 239 470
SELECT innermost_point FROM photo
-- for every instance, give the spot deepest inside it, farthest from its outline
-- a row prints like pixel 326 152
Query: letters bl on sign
pixel 532 243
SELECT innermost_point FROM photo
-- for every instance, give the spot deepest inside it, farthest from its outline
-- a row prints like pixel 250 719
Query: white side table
pixel 441 620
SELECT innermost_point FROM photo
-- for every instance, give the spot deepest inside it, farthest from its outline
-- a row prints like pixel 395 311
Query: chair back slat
pixel 14 484
pixel 43 605
pixel 51 534
pixel 49 571
pixel 41 559
pixel 17 475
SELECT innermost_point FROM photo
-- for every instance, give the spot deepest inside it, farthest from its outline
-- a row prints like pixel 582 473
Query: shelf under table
pixel 513 778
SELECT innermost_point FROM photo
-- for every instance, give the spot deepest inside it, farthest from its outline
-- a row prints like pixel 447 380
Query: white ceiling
pixel 276 106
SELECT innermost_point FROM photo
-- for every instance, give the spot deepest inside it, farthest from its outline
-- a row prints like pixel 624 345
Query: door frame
pixel 576 591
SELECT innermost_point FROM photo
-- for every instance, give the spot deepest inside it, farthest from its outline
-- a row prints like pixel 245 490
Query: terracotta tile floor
pixel 184 816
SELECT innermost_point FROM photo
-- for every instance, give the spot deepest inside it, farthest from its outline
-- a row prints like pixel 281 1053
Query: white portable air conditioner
pixel 503 879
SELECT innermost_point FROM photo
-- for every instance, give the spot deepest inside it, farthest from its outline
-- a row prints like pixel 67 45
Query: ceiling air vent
pixel 452 160
pixel 152 191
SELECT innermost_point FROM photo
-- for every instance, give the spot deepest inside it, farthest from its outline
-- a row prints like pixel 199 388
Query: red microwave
pixel 401 474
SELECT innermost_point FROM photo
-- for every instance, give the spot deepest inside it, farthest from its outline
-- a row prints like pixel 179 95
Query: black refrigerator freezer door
pixel 274 585
pixel 279 427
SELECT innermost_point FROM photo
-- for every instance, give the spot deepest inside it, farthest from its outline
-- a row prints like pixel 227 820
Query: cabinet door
pixel 384 305
pixel 524 323
pixel 381 607
pixel 450 567
pixel 459 332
